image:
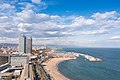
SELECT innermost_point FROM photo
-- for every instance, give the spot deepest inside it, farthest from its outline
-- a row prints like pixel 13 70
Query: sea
pixel 82 69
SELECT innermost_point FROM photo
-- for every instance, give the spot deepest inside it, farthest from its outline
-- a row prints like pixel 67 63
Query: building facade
pixel 28 44
pixel 19 60
pixel 22 43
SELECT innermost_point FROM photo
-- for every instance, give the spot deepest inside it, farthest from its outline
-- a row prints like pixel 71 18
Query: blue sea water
pixel 82 69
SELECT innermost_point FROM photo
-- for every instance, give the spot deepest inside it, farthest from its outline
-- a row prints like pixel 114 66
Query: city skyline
pixel 59 22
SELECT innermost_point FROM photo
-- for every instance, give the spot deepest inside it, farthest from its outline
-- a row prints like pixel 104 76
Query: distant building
pixel 4 58
pixel 22 43
pixel 28 44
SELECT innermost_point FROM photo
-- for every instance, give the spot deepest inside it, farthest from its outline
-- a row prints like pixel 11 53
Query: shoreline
pixel 58 69
pixel 51 67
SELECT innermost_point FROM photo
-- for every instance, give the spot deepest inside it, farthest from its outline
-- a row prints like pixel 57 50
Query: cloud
pixel 36 1
pixel 106 15
pixel 63 41
pixel 95 32
pixel 115 38
pixel 55 27
pixel 6 9
pixel 46 25
pixel 81 20
pixel 8 40
pixel 6 6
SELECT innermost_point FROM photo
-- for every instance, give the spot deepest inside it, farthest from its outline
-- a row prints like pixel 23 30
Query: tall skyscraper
pixel 22 43
pixel 28 44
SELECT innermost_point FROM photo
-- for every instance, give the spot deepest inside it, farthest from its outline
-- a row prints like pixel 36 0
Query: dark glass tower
pixel 28 44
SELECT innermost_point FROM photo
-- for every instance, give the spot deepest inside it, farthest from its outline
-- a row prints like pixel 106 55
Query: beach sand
pixel 51 68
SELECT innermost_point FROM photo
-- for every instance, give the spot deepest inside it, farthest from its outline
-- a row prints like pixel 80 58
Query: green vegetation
pixel 8 78
pixel 33 72
pixel 41 73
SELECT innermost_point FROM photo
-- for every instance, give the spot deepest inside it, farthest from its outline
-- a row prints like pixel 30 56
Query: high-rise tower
pixel 28 44
pixel 22 43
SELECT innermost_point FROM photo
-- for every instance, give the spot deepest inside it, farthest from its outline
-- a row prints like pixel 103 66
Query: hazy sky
pixel 82 23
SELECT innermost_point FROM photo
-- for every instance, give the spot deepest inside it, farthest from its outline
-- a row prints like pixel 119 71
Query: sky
pixel 72 23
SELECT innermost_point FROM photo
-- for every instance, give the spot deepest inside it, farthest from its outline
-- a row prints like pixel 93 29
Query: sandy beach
pixel 52 70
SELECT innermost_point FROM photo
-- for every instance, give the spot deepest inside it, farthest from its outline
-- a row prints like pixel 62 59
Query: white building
pixel 22 43
pixel 19 59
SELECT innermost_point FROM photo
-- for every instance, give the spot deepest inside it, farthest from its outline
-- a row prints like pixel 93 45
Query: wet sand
pixel 52 69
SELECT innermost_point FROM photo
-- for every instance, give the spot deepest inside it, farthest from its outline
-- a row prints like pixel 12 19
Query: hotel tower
pixel 28 44
pixel 22 43
pixel 25 44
